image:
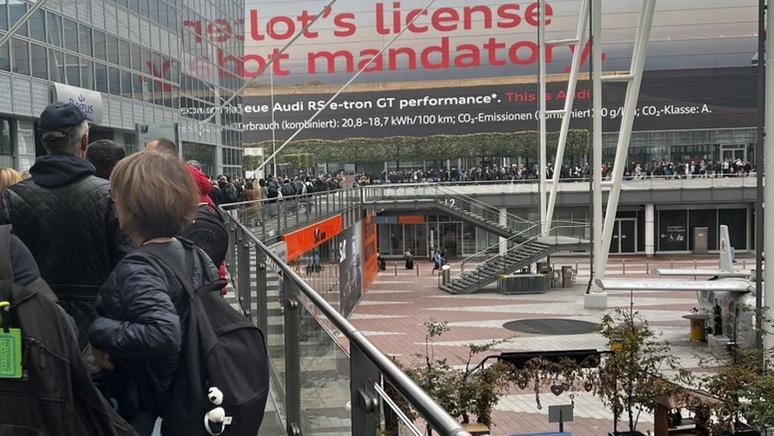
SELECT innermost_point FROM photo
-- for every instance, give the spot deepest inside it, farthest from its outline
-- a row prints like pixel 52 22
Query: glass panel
pixel 54 25
pixel 126 84
pixel 84 36
pixel 5 58
pixel 139 86
pixel 73 70
pixel 87 74
pixel 3 15
pixel 21 56
pixel 38 25
pixel 112 49
pixel 6 142
pixel 136 57
pixel 17 9
pixel 56 65
pixel 70 35
pixel 324 376
pixel 99 45
pixel 123 47
pixel 39 63
pixel 100 76
pixel 114 81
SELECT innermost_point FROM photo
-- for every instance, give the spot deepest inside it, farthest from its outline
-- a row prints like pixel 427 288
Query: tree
pixel 630 378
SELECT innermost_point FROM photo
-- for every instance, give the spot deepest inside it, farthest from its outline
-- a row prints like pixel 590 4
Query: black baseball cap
pixel 61 117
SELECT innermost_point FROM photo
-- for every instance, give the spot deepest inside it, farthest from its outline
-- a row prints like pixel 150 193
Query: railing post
pixel 262 291
pixel 363 397
pixel 292 357
pixel 243 276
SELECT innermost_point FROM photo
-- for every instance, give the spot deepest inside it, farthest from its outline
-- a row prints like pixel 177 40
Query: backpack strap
pixel 183 268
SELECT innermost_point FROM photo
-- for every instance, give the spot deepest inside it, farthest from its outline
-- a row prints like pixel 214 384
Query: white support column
pixel 597 298
pixel 768 195
pixel 634 78
pixel 580 39
pixel 542 114
pixel 650 230
pixel 503 221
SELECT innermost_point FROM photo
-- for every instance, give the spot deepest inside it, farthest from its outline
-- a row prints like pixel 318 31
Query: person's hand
pixel 102 359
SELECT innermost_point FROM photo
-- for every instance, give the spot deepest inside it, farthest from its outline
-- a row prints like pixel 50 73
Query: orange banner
pixel 308 238
pixel 370 265
pixel 411 219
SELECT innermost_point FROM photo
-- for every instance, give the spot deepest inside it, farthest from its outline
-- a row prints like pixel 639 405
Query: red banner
pixel 370 266
pixel 308 238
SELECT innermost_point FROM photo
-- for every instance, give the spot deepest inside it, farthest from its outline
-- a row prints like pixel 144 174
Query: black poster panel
pixel 678 99
pixel 704 218
pixel 350 268
pixel 736 220
pixel 673 230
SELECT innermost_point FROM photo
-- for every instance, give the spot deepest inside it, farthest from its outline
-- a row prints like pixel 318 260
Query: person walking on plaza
pixel 409 258
pixel 143 307
pixel 66 217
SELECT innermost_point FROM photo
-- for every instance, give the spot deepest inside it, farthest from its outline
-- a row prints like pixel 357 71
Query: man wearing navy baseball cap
pixel 65 215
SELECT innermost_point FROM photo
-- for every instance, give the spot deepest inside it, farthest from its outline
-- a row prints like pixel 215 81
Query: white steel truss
pixel 633 79
pixel 547 211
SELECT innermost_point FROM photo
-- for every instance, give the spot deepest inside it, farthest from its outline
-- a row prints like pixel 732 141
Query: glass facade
pixel 179 56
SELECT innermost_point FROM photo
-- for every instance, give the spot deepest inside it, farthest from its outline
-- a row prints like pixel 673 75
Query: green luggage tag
pixel 10 347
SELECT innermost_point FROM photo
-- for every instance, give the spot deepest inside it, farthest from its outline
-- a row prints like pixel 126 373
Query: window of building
pixel 70 34
pixel 99 45
pixel 38 25
pixel 123 53
pixel 112 49
pixel 100 77
pixel 56 65
pixel 136 57
pixel 73 68
pixel 54 24
pixel 126 83
pixel 144 8
pixel 6 140
pixel 84 36
pixel 5 58
pixel 3 15
pixel 39 62
pixel 17 9
pixel 87 74
pixel 147 62
pixel 133 5
pixel 21 56
pixel 138 87
pixel 114 81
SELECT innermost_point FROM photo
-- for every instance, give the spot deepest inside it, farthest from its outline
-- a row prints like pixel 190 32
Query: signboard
pixel 147 132
pixel 310 237
pixel 370 247
pixel 89 102
pixel 560 413
pixel 693 99
pixel 350 268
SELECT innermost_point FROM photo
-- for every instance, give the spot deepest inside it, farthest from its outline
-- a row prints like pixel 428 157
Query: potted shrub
pixel 630 378
pixel 466 393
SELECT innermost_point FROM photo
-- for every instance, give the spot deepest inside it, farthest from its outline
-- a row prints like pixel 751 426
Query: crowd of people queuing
pixel 104 318
pixel 519 172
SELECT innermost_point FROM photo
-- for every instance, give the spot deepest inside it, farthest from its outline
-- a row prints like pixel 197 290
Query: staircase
pixel 494 227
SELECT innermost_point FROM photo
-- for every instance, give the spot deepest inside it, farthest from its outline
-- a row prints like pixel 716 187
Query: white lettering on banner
pixel 88 101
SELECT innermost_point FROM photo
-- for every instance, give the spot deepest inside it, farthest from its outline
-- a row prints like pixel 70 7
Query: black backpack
pixel 221 349
pixel 231 194
pixel 55 395
pixel 208 231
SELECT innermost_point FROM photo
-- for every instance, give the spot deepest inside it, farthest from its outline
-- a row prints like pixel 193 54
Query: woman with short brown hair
pixel 142 308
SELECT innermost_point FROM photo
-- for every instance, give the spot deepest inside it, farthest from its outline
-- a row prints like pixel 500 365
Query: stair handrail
pixel 516 238
pixel 545 234
pixel 481 204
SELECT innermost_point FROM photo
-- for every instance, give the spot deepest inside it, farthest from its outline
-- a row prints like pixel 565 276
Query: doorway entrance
pixel 733 152
pixel 624 238
pixel 447 236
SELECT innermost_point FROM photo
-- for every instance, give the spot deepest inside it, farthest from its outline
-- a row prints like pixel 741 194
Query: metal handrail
pixel 482 204
pixel 518 246
pixel 418 398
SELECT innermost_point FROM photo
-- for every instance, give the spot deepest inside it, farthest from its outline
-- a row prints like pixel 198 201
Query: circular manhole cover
pixel 551 326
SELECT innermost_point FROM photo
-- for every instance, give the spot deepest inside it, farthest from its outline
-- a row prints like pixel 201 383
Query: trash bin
pixel 568 276
pixel 446 275
pixel 700 240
